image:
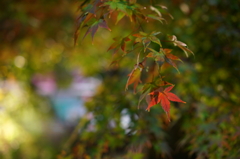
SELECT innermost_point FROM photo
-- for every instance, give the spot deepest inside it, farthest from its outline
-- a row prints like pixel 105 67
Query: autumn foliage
pixel 140 43
pixel 164 97
pixel 137 53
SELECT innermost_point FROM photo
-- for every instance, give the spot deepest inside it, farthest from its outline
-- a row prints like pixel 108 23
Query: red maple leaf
pixel 164 97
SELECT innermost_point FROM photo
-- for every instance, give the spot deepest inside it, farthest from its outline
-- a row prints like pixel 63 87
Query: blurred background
pixel 61 101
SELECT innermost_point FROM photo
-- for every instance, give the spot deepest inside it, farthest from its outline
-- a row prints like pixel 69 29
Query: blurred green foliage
pixel 38 38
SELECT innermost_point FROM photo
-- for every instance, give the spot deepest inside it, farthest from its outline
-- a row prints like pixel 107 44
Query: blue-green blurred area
pixel 47 85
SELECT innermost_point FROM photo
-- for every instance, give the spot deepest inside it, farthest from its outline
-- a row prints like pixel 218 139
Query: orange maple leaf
pixel 134 76
pixel 164 97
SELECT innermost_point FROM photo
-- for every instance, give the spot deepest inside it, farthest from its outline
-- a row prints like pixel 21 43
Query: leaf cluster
pixel 138 43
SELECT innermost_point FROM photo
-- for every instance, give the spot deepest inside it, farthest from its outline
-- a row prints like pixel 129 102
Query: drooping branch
pixel 94 15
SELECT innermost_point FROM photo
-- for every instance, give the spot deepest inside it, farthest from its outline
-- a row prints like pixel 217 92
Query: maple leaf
pixel 163 97
pixel 119 43
pixel 94 27
pixel 146 39
pixel 81 20
pixel 163 56
pixel 149 86
pixel 89 14
pixel 134 76
pixel 122 8
pixel 180 44
pixel 158 56
pixel 169 55
pixel 158 15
